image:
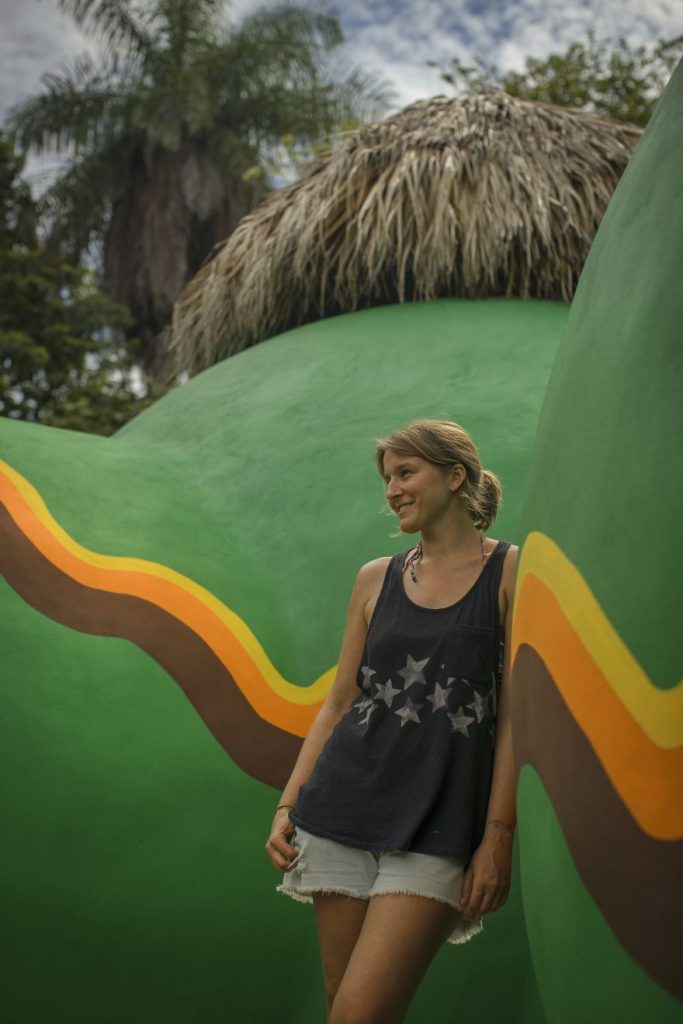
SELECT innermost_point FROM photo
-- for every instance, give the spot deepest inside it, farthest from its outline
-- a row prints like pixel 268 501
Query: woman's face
pixel 419 492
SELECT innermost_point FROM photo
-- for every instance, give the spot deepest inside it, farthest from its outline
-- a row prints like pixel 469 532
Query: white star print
pixel 413 673
pixel 439 698
pixel 460 721
pixel 372 707
pixel 478 705
pixel 409 712
pixel 363 704
pixel 367 672
pixel 386 692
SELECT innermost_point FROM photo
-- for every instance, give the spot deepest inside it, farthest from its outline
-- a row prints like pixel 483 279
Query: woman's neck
pixel 453 539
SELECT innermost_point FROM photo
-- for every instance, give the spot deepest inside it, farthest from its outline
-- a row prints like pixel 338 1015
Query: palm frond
pixel 483 195
pixel 273 76
pixel 81 104
pixel 185 24
pixel 289 27
pixel 113 24
pixel 357 94
pixel 74 207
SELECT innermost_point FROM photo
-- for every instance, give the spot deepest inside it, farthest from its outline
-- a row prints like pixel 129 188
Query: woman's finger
pixel 466 888
pixel 471 909
pixel 279 842
pixel 498 897
pixel 277 860
pixel 283 859
pixel 487 904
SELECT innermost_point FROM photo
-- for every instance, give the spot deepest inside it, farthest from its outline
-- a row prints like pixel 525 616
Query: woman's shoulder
pixel 374 569
pixel 370 582
pixel 504 547
pixel 371 575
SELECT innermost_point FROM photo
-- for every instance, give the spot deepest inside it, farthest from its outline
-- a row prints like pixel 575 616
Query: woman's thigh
pixel 399 938
pixel 339 920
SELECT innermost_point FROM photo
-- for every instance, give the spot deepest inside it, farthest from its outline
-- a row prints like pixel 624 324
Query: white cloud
pixel 35 38
pixel 502 32
pixel 394 38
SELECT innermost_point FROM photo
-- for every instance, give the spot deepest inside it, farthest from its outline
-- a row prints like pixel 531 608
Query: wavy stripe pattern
pixel 605 740
pixel 658 712
pixel 648 778
pixel 273 698
pixel 633 878
pixel 264 751
pixel 607 744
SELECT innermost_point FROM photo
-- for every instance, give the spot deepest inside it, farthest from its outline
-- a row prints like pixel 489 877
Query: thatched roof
pixel 477 196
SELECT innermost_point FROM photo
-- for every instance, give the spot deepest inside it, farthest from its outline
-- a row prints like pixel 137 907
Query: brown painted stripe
pixel 633 878
pixel 260 749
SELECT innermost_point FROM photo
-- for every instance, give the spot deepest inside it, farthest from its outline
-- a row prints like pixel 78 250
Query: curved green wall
pixel 138 888
pixel 602 745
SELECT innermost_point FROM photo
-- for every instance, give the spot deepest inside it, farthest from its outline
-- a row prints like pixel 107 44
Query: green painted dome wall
pixel 598 719
pixel 140 747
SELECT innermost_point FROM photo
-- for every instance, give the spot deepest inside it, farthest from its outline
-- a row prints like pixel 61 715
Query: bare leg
pixel 399 938
pixel 339 919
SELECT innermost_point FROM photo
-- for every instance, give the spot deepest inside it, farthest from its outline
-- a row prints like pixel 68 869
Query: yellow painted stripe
pixel 647 777
pixel 658 712
pixel 301 695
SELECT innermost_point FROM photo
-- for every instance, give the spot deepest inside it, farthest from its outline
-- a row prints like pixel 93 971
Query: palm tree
pixel 165 130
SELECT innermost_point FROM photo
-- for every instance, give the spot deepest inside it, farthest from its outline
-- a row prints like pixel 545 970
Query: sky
pixel 393 38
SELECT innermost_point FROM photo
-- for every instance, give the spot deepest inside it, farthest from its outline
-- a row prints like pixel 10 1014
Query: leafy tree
pixel 616 80
pixel 165 131
pixel 64 357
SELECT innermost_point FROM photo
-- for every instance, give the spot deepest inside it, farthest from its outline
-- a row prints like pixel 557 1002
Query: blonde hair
pixel 447 444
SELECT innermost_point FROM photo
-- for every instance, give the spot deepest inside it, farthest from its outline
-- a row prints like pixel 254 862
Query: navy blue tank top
pixel 409 765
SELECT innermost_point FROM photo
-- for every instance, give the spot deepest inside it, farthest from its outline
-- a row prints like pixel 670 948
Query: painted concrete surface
pixel 139 889
pixel 598 722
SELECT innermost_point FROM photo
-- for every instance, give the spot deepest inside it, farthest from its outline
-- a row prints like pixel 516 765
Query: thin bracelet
pixel 290 807
pixel 497 821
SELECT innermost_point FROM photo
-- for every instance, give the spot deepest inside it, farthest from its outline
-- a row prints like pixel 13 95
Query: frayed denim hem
pixel 461 934
pixel 308 894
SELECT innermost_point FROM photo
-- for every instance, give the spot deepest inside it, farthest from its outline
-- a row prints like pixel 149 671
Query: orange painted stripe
pixel 273 708
pixel 648 778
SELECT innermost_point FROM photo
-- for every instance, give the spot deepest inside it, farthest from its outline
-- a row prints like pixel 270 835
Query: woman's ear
pixel 458 475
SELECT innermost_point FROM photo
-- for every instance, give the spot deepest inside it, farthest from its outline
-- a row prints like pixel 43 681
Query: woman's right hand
pixel 281 852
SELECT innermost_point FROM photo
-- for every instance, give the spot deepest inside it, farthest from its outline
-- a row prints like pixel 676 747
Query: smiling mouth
pixel 402 508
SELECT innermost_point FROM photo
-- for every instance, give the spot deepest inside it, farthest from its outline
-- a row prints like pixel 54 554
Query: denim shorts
pixel 325 866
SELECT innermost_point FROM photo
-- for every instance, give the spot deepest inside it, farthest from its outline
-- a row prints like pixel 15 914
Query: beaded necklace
pixel 414 556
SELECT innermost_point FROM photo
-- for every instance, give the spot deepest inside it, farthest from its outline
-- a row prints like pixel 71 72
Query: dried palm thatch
pixel 484 195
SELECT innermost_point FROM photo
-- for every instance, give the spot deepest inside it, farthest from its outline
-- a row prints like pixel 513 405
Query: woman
pixel 397 821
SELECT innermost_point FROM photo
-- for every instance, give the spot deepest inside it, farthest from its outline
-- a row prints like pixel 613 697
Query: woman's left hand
pixel 486 883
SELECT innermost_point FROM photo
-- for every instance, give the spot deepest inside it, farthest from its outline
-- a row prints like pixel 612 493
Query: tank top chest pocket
pixel 473 652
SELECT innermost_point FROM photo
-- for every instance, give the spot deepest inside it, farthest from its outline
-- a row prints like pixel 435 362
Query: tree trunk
pixel 162 227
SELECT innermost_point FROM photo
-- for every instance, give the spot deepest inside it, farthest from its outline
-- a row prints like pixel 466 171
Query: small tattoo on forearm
pixel 496 821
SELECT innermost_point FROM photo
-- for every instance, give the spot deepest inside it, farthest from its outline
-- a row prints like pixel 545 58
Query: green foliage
pixel 18 213
pixel 64 356
pixel 185 112
pixel 615 80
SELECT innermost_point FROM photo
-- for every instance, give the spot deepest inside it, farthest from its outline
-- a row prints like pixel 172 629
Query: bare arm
pixel 487 879
pixel 501 817
pixel 344 690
